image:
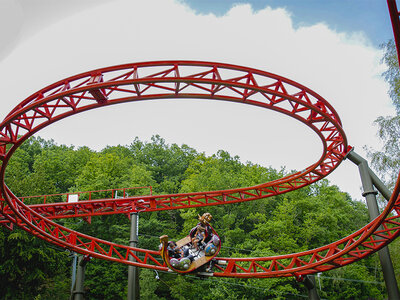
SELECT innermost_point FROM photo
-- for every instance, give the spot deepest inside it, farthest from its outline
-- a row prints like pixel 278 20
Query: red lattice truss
pixel 195 80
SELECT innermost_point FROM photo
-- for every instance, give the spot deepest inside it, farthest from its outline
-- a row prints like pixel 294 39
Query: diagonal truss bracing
pixel 184 79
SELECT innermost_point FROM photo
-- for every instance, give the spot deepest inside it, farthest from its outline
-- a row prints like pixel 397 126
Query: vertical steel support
pixel 370 196
pixel 309 282
pixel 381 187
pixel 73 271
pixel 80 278
pixel 133 272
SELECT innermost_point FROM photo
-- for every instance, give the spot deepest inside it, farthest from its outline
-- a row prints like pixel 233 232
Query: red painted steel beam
pixel 96 207
pixel 360 244
pixel 394 17
pixel 184 79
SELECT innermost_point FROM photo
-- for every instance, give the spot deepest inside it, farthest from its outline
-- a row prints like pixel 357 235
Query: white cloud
pixel 343 68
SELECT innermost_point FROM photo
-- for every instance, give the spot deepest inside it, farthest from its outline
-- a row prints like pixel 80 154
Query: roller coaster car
pixel 190 253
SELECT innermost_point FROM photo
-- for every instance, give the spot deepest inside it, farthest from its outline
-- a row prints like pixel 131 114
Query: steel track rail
pixel 181 80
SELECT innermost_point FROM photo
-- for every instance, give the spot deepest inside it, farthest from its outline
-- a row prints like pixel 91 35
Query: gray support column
pixel 386 193
pixel 133 272
pixel 80 278
pixel 309 282
pixel 370 196
pixel 73 271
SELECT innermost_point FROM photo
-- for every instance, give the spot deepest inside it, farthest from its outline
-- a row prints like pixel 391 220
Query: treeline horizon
pixel 297 221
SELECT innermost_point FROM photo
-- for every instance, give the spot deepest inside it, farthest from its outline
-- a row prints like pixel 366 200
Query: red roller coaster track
pixel 182 80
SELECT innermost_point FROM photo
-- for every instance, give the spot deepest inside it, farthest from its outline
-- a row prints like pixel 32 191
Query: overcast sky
pixel 332 49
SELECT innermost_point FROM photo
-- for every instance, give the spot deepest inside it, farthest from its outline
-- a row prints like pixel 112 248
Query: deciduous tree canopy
pixel 304 219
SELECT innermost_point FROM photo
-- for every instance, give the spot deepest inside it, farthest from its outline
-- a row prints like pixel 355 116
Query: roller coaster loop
pixel 184 79
pixel 165 80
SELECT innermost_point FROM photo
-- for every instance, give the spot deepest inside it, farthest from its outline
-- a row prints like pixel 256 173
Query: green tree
pixel 39 167
pixel 55 169
pixel 386 161
pixel 167 163
pixel 110 171
pixel 30 267
pixel 21 166
pixel 292 222
pixel 353 281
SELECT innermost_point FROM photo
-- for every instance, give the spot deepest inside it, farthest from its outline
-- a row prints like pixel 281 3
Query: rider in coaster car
pixel 204 221
pixel 174 251
pixel 199 236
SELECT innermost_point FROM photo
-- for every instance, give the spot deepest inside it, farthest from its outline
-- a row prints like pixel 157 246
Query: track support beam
pixel 380 186
pixel 309 282
pixel 369 193
pixel 79 292
pixel 133 272
pixel 73 271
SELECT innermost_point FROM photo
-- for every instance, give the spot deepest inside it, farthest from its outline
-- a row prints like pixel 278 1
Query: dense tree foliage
pixel 300 220
pixel 386 161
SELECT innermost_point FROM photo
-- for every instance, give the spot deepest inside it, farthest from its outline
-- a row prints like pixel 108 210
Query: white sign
pixel 73 198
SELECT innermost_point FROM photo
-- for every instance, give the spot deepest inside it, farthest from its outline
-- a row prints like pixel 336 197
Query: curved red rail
pixel 186 79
